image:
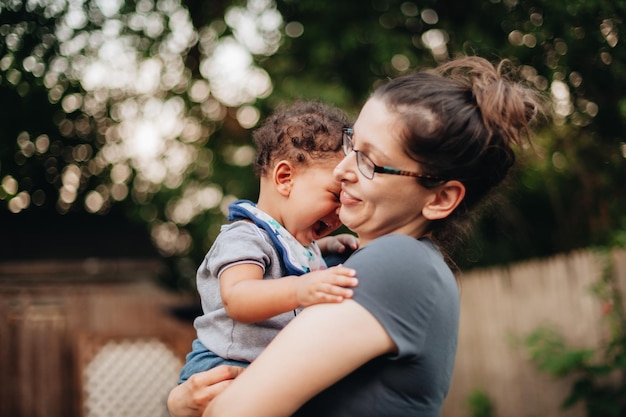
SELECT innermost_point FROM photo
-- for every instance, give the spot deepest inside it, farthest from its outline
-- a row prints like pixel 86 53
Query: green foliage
pixel 566 198
pixel 547 349
pixel 599 375
pixel 479 404
pixel 618 239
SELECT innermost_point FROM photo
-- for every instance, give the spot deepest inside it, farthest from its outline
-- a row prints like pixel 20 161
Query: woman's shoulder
pixel 401 238
pixel 402 245
pixel 396 256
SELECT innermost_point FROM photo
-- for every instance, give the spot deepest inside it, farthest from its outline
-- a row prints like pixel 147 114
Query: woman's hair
pixel 460 122
pixel 300 133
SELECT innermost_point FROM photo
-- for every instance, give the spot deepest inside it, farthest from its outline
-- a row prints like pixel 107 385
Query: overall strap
pixel 297 258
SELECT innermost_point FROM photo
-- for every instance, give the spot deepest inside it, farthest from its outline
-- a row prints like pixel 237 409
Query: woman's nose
pixel 343 168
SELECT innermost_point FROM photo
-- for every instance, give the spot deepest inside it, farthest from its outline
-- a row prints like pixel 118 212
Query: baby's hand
pixel 325 286
pixel 338 243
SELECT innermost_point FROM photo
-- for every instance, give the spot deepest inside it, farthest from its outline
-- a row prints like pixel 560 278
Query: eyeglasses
pixel 367 167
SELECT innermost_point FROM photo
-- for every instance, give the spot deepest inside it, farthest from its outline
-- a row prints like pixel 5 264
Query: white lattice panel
pixel 130 378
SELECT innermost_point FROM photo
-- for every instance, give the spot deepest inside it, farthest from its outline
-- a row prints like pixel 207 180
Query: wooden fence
pixel 501 306
pixel 87 339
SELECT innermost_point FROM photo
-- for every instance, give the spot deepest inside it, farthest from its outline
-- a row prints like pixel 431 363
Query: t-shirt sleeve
pixel 400 281
pixel 241 242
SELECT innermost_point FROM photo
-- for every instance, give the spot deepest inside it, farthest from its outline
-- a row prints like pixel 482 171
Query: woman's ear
pixel 444 200
pixel 283 176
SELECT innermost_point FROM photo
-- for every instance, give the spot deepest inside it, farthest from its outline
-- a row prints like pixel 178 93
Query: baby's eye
pixel 336 195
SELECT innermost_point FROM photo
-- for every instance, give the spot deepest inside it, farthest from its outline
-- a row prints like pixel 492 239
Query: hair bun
pixel 531 111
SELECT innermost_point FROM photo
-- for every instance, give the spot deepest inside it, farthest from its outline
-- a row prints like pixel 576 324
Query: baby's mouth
pixel 322 228
pixel 326 225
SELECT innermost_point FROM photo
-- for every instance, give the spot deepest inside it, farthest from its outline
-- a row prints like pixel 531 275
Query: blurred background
pixel 125 132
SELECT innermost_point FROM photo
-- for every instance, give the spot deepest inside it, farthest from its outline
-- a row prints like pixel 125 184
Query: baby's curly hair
pixel 300 133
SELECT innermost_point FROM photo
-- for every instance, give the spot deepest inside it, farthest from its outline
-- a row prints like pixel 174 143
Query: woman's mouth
pixel 347 199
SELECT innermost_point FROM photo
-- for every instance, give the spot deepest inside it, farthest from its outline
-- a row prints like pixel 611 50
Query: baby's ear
pixel 283 175
pixel 444 200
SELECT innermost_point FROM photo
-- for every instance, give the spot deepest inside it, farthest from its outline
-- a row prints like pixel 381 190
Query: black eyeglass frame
pixel 348 146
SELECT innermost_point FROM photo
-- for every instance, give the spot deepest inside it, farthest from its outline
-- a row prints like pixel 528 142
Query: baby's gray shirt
pixel 238 242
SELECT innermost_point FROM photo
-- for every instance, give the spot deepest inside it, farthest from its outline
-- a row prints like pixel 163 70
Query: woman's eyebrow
pixel 372 149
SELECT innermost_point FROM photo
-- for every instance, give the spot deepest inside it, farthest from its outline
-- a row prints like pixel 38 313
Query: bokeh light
pixel 141 120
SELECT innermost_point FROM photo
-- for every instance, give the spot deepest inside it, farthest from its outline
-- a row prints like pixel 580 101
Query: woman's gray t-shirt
pixel 406 284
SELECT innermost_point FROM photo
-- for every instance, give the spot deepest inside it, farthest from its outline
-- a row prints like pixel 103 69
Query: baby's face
pixel 313 210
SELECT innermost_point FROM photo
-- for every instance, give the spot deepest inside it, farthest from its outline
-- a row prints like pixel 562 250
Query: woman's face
pixel 386 203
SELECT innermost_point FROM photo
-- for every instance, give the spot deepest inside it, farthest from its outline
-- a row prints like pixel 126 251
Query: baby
pixel 267 264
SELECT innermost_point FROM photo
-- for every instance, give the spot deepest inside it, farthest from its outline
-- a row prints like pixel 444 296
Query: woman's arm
pixel 319 347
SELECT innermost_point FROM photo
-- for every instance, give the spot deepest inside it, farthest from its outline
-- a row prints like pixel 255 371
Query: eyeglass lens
pixel 347 143
pixel 363 163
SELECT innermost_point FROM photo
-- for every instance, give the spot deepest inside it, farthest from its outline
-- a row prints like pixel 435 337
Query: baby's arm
pixel 248 298
pixel 338 243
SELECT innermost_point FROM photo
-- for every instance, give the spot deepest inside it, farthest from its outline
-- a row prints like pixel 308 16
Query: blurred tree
pixel 148 105
pixel 103 109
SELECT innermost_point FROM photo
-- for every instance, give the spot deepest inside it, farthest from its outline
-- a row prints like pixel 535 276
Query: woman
pixel 424 151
